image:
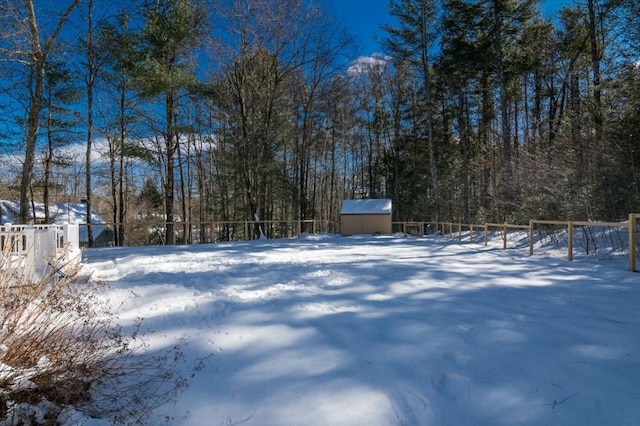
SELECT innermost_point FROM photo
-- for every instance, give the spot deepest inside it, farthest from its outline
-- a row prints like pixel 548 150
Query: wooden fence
pixel 217 231
pixel 451 229
pixel 145 231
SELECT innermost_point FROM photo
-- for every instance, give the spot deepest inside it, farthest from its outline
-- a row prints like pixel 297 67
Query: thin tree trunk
pixel 39 56
pixel 121 169
pixel 596 57
pixel 183 194
pixel 170 180
pixel 114 189
pixel 47 168
pixel 91 71
pixel 430 113
pixel 33 126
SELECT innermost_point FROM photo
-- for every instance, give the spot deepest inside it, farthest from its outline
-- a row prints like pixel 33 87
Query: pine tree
pixel 412 42
pixel 150 195
pixel 60 122
pixel 171 31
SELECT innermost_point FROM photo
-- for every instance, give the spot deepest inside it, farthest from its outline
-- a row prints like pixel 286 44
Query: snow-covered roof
pixel 379 206
pixel 60 213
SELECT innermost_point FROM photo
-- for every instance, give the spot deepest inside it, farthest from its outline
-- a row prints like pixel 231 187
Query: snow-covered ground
pixel 326 330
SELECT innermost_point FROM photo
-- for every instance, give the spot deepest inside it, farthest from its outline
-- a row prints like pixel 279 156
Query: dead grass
pixel 60 349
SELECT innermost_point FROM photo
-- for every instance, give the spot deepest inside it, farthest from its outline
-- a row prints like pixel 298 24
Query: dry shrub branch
pixel 61 352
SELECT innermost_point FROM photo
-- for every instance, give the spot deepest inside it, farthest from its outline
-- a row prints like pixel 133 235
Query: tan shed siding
pixel 353 224
pixel 376 224
pixel 350 224
pixel 366 217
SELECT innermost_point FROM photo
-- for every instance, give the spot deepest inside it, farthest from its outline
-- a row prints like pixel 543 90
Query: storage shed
pixel 365 217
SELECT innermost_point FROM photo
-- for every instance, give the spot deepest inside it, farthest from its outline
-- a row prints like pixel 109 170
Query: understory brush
pixel 63 358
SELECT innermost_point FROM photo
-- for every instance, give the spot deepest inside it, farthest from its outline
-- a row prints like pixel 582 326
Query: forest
pixel 231 110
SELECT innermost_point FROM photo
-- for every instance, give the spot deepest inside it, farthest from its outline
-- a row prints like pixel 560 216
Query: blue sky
pixel 364 18
pixel 363 25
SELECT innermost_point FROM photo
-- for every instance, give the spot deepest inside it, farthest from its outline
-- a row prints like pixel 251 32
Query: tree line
pixel 235 110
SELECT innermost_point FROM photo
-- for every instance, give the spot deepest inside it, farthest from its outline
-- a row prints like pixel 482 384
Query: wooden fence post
pixel 531 237
pixel 632 241
pixel 504 236
pixel 486 234
pixel 570 242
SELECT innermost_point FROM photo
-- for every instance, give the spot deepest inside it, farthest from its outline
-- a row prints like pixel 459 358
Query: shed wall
pixel 353 224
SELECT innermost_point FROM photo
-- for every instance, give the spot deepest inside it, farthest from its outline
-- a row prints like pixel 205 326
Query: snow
pixel 60 213
pixel 376 206
pixel 373 330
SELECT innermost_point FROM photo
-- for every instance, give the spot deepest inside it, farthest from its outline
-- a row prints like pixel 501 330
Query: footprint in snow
pixel 456 357
pixel 452 386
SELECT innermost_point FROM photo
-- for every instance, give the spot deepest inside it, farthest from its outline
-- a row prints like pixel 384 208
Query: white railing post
pixel 70 240
pixel 6 237
pixel 71 235
pixel 45 250
pixel 36 249
pixel 28 248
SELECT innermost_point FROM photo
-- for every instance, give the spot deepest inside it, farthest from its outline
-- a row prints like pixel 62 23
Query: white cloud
pixel 364 64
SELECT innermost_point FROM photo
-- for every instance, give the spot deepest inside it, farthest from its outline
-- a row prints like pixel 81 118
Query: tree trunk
pixel 596 56
pixel 33 125
pixel 429 110
pixel 38 56
pixel 91 74
pixel 170 180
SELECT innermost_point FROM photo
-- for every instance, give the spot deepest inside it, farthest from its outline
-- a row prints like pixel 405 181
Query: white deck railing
pixel 35 249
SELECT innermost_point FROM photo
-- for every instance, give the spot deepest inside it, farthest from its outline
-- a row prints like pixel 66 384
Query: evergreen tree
pixel 118 43
pixel 412 41
pixel 150 195
pixel 171 30
pixel 60 122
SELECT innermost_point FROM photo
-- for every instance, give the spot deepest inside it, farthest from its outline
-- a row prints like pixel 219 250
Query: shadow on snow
pixel 387 331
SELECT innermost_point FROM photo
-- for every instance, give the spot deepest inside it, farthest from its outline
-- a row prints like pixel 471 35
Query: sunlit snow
pixel 326 330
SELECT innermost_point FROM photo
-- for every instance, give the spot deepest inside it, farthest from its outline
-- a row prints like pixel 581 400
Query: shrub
pixel 61 351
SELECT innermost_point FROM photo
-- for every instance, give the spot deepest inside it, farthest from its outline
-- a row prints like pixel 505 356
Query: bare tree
pixel 92 67
pixel 31 49
pixel 281 56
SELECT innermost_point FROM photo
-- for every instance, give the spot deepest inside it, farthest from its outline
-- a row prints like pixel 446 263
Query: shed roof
pixel 380 206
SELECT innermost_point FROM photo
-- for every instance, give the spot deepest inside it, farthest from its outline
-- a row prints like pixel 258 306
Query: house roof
pixel 60 213
pixel 378 206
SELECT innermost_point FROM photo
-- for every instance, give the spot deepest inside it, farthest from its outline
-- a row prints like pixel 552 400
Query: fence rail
pixel 144 231
pixel 216 231
pixel 35 249
pixel 457 228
